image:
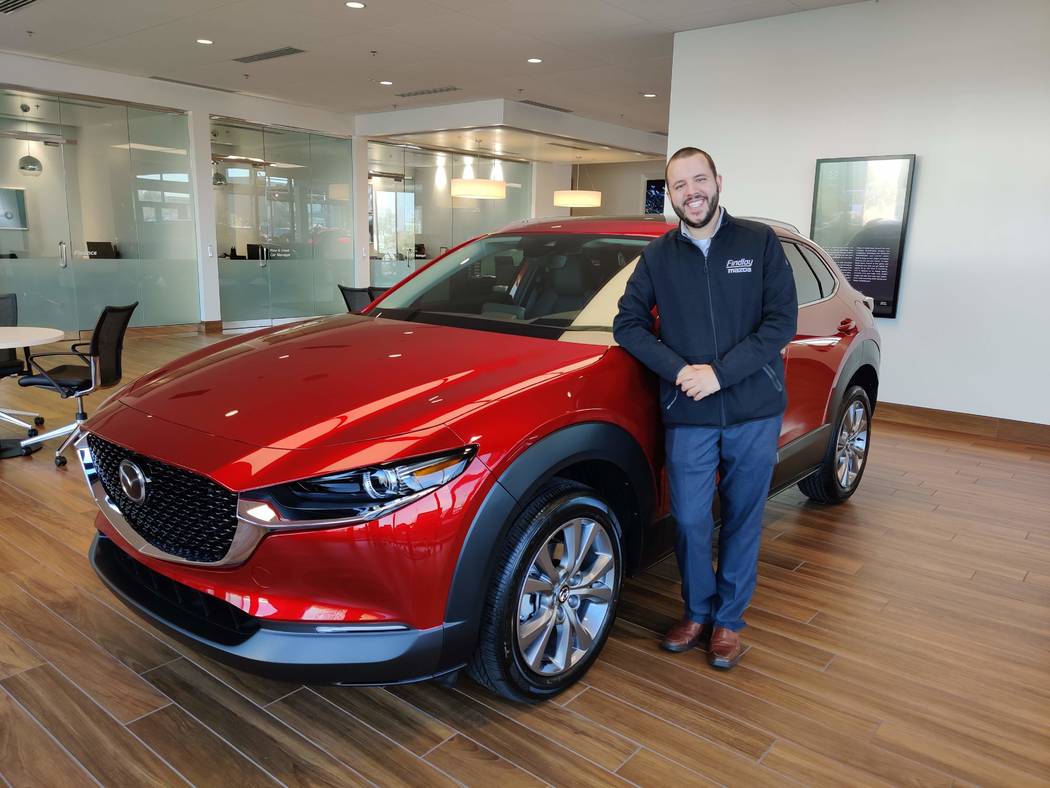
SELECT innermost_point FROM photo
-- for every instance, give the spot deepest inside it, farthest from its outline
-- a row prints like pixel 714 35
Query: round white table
pixel 12 337
pixel 27 336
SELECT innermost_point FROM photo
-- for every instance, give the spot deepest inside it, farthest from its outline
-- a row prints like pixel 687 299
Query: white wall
pixel 547 179
pixel 965 85
pixel 622 186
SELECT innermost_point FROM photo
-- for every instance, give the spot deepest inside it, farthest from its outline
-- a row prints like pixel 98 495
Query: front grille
pixel 175 603
pixel 184 514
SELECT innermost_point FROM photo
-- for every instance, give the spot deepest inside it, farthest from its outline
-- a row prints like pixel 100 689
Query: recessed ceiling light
pixel 385 82
pixel 648 95
pixel 355 5
pixel 535 60
pixel 205 41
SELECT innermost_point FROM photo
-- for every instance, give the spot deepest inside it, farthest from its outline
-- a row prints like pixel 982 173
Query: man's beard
pixel 712 211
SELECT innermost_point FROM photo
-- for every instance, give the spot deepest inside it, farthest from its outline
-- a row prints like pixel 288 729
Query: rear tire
pixel 553 597
pixel 839 475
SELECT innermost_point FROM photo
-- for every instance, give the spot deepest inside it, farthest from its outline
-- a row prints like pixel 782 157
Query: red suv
pixel 459 478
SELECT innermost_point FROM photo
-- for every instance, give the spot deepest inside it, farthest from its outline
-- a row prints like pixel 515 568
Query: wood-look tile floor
pixel 903 638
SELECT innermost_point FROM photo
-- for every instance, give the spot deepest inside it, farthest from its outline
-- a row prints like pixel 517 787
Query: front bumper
pixel 319 653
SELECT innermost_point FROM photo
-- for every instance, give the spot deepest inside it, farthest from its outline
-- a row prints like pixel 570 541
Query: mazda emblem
pixel 133 481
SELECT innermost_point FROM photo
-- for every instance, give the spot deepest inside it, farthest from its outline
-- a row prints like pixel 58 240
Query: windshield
pixel 543 285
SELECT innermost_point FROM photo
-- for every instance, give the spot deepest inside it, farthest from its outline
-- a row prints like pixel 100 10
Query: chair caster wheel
pixel 31 432
pixel 60 461
pixel 39 421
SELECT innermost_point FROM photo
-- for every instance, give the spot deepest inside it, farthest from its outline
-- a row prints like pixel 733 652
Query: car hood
pixel 348 378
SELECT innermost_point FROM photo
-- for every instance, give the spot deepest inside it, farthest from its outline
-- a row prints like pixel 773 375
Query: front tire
pixel 553 598
pixel 838 477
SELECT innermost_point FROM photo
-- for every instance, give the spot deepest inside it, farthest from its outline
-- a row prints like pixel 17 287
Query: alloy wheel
pixel 566 597
pixel 851 447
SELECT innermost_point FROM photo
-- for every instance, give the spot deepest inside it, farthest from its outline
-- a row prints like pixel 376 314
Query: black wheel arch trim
pixel 868 354
pixel 514 488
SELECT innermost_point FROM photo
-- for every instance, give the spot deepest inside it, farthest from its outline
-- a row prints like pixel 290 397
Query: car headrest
pixel 571 277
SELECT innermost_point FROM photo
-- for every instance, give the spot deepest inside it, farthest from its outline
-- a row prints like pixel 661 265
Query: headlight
pixel 353 496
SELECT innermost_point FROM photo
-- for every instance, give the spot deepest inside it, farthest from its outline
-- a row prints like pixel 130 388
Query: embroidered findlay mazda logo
pixel 741 266
pixel 133 481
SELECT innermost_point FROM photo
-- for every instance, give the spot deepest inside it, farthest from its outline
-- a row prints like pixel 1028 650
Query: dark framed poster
pixel 654 196
pixel 860 215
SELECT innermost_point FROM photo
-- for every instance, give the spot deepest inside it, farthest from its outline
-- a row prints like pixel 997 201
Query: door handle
pixel 264 256
pixel 63 258
pixel 848 327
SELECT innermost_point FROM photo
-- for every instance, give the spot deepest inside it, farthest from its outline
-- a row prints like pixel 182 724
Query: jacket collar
pixel 727 220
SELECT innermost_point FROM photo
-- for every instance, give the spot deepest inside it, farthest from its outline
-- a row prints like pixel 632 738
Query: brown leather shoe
pixel 683 636
pixel 725 648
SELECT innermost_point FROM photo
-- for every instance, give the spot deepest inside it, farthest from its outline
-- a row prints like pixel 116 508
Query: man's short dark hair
pixel 684 153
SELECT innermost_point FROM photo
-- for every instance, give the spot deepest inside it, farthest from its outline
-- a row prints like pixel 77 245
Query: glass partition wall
pixel 412 216
pixel 283 215
pixel 96 208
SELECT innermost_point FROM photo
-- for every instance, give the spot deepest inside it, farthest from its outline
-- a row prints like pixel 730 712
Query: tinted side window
pixel 806 284
pixel 824 276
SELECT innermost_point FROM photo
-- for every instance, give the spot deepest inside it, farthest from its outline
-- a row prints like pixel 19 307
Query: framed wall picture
pixel 654 196
pixel 860 215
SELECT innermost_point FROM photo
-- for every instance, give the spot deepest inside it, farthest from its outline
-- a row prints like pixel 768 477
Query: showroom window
pixel 412 215
pixel 806 285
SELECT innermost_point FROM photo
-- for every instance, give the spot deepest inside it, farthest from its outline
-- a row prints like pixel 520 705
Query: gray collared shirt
pixel 703 244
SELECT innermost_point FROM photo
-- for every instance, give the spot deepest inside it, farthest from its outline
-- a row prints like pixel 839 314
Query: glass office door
pixel 283 222
pixel 106 217
pixel 35 238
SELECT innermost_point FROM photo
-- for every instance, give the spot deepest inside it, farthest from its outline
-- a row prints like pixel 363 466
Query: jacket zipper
pixel 773 377
pixel 714 329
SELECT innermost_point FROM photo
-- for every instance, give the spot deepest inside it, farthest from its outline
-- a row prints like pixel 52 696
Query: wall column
pixel 204 207
pixel 359 190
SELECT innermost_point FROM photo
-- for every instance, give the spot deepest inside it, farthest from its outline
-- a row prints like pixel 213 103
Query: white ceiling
pixel 599 56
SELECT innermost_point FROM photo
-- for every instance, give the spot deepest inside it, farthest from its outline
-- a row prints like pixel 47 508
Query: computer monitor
pixel 13 209
pixel 101 250
pixel 255 251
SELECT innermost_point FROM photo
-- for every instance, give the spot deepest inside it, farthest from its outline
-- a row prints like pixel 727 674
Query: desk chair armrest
pixel 81 356
pixel 55 384
pixel 74 347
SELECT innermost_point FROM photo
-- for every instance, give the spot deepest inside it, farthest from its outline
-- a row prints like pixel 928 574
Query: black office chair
pixel 100 369
pixel 357 298
pixel 375 292
pixel 11 364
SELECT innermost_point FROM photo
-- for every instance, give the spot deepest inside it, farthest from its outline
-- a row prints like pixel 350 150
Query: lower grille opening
pixel 188 608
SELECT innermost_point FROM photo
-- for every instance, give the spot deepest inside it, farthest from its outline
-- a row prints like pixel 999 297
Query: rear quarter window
pixel 807 286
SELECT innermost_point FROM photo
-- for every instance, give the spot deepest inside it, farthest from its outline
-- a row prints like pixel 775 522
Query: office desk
pixel 12 337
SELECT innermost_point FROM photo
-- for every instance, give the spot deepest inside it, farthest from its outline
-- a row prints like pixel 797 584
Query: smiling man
pixel 726 302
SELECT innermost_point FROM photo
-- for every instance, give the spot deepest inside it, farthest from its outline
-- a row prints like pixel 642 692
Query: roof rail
pixel 776 223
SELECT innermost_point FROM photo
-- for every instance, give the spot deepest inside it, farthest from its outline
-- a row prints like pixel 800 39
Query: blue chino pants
pixel 743 455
